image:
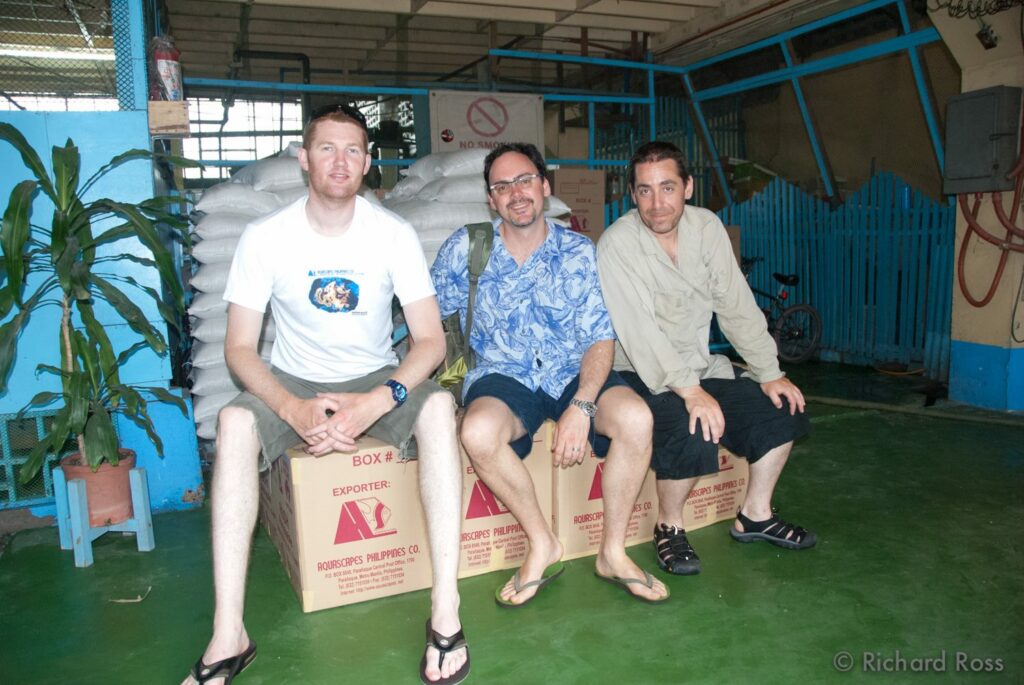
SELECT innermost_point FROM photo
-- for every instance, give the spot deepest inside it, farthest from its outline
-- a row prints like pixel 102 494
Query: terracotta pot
pixel 108 489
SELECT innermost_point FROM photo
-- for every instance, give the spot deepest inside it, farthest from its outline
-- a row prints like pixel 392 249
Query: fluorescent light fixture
pixel 104 56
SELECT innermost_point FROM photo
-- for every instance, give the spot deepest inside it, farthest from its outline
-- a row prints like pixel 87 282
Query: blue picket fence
pixel 878 268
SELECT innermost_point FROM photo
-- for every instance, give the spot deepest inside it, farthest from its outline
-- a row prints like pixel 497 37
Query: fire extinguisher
pixel 165 70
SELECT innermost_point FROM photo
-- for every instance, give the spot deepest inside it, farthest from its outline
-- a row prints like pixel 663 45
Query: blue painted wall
pixel 987 375
pixel 174 479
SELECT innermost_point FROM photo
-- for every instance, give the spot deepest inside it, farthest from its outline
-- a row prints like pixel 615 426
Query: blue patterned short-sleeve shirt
pixel 531 323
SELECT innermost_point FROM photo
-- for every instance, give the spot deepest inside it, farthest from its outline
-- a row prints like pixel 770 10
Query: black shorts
pixel 753 426
pixel 531 407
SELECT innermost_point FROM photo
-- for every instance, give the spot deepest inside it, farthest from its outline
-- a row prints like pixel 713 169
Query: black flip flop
pixel 444 644
pixel 226 668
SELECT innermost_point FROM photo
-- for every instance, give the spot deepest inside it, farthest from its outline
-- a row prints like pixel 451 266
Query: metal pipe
pixel 302 58
pixel 885 47
pixel 812 134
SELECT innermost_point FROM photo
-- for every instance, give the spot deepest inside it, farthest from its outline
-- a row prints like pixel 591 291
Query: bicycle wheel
pixel 798 333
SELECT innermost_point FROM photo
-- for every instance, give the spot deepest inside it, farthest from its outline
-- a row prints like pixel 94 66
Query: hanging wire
pixel 958 9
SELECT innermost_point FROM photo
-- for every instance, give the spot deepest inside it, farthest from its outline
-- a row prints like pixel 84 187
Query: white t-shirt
pixel 331 296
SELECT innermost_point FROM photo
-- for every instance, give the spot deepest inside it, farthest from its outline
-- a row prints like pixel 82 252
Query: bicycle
pixel 796 328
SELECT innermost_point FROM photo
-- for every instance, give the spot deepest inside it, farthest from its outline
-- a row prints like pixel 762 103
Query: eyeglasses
pixel 347 110
pixel 519 183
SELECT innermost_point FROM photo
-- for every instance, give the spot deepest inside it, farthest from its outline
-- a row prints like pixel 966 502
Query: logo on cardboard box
pixel 363 519
pixel 596 492
pixel 483 503
pixel 724 461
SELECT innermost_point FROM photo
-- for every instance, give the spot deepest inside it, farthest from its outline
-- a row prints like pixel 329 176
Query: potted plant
pixel 69 263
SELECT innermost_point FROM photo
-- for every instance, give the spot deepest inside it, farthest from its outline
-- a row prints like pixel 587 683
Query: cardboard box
pixel 348 527
pixel 492 539
pixel 579 507
pixel 168 118
pixel 583 191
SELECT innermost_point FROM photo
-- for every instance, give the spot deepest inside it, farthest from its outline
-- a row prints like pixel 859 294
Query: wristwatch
pixel 399 393
pixel 588 408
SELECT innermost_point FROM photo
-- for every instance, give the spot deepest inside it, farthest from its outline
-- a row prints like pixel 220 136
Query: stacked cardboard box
pixel 492 539
pixel 350 527
pixel 583 191
pixel 579 507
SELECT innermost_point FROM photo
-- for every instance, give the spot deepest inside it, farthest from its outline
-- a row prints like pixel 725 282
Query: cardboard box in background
pixel 583 191
pixel 492 539
pixel 579 508
pixel 348 527
pixel 168 118
pixel 565 142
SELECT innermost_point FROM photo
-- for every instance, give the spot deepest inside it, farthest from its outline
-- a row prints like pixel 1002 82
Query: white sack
pixel 238 198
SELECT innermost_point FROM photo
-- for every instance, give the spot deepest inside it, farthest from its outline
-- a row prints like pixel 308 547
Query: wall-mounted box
pixel 982 140
pixel 168 118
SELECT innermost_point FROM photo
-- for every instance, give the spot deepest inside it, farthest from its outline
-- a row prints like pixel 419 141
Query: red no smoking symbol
pixel 487 117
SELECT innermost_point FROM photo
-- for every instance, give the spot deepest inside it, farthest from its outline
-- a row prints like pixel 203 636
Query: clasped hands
pixel 332 422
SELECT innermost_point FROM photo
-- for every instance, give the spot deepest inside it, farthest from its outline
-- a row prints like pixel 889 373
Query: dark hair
pixel 341 113
pixel 527 149
pixel 656 151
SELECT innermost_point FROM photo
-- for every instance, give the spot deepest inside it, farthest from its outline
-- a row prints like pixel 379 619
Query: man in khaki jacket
pixel 665 269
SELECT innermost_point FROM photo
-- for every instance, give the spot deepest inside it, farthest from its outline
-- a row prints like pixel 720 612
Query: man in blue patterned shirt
pixel 544 343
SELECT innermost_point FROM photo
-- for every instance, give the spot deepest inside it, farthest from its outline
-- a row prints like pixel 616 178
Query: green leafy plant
pixel 68 265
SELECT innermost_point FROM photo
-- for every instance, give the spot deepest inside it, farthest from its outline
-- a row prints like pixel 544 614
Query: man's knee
pixel 233 421
pixel 482 433
pixel 437 412
pixel 629 419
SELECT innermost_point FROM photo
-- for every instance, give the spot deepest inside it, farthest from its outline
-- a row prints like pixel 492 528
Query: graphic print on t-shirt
pixel 333 293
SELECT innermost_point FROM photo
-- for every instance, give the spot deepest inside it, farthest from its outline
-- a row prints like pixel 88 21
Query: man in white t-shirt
pixel 329 265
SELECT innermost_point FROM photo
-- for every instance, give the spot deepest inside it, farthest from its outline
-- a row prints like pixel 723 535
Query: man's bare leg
pixel 441 494
pixel 487 429
pixel 624 418
pixel 764 475
pixel 234 503
pixel 672 496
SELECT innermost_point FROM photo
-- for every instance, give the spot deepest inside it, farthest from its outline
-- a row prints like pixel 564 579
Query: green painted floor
pixel 919 554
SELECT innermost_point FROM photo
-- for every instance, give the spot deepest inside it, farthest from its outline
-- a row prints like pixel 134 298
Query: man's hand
pixel 783 387
pixel 354 412
pixel 701 405
pixel 569 442
pixel 302 415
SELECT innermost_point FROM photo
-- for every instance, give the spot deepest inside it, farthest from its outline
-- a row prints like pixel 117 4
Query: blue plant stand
pixel 73 516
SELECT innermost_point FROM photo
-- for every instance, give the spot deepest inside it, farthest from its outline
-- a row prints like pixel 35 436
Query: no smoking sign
pixel 487 117
pixel 463 121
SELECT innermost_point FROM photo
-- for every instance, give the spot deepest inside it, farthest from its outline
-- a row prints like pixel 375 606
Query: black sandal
pixel 226 668
pixel 444 645
pixel 675 554
pixel 775 531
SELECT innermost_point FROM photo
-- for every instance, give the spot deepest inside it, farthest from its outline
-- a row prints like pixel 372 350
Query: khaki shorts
pixel 394 428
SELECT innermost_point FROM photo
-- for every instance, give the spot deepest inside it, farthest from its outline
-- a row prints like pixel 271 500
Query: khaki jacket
pixel 662 313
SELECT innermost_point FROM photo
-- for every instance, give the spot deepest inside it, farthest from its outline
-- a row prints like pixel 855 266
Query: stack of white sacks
pixel 222 213
pixel 445 191
pixel 439 194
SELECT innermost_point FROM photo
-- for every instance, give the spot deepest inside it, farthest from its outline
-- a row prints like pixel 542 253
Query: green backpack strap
pixel 481 240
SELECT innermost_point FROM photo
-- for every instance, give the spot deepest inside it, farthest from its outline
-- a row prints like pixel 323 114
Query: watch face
pixel 588 408
pixel 398 391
